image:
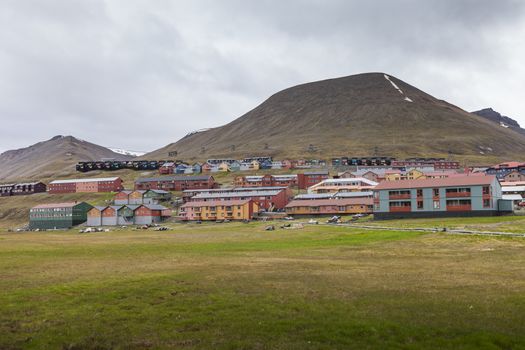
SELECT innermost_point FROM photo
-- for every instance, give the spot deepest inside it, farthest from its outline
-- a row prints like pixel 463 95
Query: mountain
pixel 364 114
pixel 501 120
pixel 53 157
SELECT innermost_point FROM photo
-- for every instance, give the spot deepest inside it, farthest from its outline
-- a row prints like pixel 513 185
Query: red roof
pixel 215 203
pixel 508 165
pixel 446 182
pixel 332 201
pixel 56 205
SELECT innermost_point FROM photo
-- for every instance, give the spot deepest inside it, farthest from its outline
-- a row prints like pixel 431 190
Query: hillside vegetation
pixel 358 115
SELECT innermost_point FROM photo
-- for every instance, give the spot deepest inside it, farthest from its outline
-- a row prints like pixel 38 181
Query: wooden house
pixel 167 168
pixel 239 209
pixel 107 184
pixel 143 214
pixel 330 206
pixel 197 168
pixel 223 167
pixel 21 189
pixel 176 183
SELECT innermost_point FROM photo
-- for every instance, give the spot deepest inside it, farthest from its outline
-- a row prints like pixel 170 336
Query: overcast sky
pixel 141 74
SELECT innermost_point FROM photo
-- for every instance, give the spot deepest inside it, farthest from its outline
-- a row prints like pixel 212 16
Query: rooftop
pixel 95 179
pixel 446 182
pixel 331 201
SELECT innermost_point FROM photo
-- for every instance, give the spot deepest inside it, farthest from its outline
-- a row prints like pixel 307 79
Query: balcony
pixel 464 207
pixel 406 209
pixel 399 196
pixel 458 194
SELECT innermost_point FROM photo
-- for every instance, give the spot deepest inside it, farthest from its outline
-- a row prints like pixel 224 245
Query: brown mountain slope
pixel 355 115
pixel 54 157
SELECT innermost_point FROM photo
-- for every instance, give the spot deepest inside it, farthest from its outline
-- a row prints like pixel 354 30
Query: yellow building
pixel 218 210
pixel 224 167
pixel 415 174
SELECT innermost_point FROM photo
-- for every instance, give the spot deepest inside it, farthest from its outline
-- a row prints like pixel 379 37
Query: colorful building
pixel 357 184
pixel 453 196
pixel 269 198
pixel 21 189
pixel 141 197
pixel 240 209
pixel 176 183
pixel 58 215
pixel 112 215
pixel 106 184
pixel 266 180
pixel 330 206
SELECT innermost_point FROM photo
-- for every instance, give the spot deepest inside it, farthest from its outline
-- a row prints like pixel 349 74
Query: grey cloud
pixel 141 74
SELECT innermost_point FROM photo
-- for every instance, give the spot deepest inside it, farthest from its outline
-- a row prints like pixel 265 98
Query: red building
pixel 106 184
pixel 167 168
pixel 266 180
pixel 176 183
pixel 308 179
pixel 267 198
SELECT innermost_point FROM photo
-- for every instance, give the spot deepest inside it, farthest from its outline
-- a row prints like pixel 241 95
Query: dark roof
pixel 175 178
pixel 446 182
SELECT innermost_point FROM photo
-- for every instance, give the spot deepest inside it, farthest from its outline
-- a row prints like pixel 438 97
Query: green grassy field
pixel 237 286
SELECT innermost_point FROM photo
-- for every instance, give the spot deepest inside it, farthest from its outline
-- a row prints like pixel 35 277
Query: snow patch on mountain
pixel 408 99
pixel 127 153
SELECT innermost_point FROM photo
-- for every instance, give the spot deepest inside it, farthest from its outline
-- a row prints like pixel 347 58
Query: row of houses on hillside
pixel 508 171
pixel 396 174
pixel 176 183
pixel 381 161
pixel 233 165
pixel 22 188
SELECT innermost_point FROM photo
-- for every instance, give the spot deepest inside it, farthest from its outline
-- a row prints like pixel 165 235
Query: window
pixel 420 204
pixel 486 190
pixel 486 203
pixel 436 192
pixel 420 193
pixel 437 205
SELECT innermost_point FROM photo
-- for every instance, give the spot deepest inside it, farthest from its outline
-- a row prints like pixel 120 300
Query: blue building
pixel 453 196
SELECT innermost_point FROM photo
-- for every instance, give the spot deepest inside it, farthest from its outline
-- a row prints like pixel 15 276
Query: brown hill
pixel 355 115
pixel 54 157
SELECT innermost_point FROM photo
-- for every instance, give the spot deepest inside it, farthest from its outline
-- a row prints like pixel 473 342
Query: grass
pixel 231 286
pixel 508 223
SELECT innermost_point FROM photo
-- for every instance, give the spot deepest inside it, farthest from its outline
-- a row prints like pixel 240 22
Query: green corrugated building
pixel 58 215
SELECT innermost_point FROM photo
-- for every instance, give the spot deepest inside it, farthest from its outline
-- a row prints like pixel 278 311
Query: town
pixel 379 187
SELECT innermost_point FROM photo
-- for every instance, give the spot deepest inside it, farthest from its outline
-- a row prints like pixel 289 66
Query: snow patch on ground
pixel 127 153
pixel 408 99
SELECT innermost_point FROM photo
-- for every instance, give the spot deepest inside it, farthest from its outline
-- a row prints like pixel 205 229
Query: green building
pixel 58 215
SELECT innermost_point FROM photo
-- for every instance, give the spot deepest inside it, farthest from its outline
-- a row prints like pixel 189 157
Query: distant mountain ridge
pixel 360 115
pixel 54 157
pixel 496 117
